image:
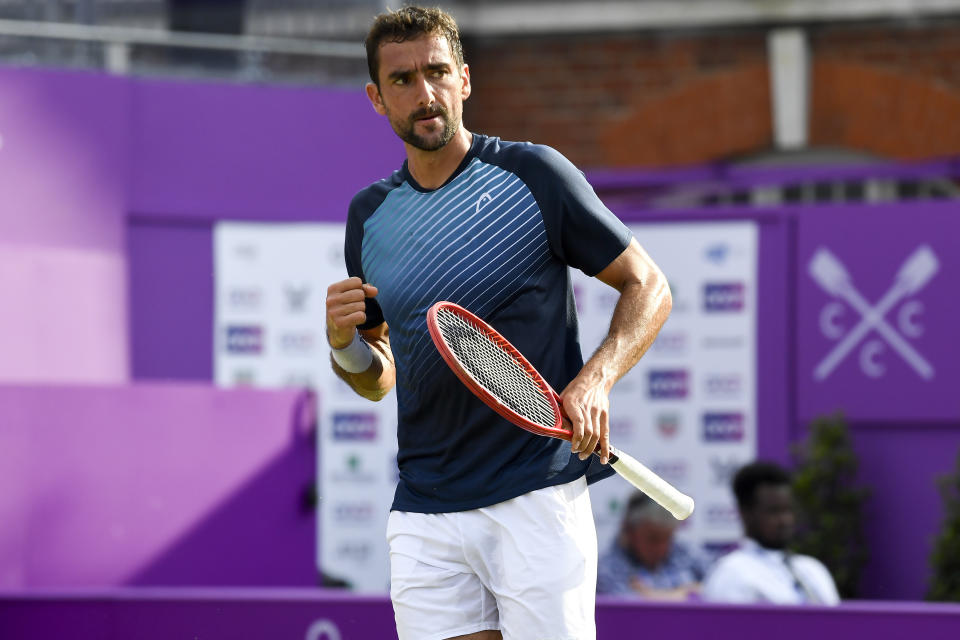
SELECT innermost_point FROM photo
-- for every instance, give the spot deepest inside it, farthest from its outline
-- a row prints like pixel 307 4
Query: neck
pixel 432 168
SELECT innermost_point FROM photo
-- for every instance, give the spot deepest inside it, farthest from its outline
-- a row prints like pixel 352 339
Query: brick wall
pixel 681 98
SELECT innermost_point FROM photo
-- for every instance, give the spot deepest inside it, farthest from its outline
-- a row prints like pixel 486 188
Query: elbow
pixel 666 297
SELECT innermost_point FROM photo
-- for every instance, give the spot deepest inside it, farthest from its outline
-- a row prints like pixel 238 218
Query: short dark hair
pixel 752 475
pixel 410 23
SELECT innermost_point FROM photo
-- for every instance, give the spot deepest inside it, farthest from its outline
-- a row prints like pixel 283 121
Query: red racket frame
pixel 557 431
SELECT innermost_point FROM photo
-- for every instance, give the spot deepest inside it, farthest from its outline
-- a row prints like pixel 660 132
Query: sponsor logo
pixel 670 343
pixel 668 424
pixel 244 377
pixel 668 383
pixel 483 200
pixel 247 339
pixel 834 277
pixel 296 297
pixel 722 469
pixel 323 630
pixel 722 342
pixel 352 469
pixel 353 512
pixel 354 551
pixel 724 385
pixel 355 426
pixel 717 253
pixel 297 342
pixel 723 296
pixel 299 380
pixel 245 298
pixel 247 252
pixel 671 470
pixel 723 427
pixel 719 515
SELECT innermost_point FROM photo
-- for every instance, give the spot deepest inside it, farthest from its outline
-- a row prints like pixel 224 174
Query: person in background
pixel 645 559
pixel 764 569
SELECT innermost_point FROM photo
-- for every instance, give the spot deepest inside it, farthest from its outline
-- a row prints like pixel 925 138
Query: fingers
pixel 589 425
pixel 346 309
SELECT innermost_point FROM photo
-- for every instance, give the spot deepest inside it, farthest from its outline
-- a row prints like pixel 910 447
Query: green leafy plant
pixel 830 506
pixel 945 557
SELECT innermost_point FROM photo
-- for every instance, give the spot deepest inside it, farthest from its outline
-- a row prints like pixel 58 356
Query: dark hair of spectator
pixel 753 475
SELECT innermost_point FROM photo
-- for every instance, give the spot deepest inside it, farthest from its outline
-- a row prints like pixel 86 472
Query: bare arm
pixel 346 311
pixel 643 307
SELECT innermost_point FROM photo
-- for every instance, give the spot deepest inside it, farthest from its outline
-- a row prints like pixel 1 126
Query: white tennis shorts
pixel 527 566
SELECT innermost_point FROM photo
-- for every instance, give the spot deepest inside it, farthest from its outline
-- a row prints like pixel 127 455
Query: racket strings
pixel 494 369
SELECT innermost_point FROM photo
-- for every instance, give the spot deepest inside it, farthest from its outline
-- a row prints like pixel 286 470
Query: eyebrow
pixel 435 66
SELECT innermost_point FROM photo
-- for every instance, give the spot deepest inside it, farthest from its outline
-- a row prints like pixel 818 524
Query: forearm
pixel 641 310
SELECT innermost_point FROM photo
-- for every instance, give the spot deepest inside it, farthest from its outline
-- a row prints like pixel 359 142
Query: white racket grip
pixel 665 494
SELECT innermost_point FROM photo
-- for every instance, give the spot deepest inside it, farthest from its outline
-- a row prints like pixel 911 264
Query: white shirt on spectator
pixel 753 574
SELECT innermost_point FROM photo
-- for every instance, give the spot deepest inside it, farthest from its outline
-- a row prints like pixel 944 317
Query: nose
pixel 425 92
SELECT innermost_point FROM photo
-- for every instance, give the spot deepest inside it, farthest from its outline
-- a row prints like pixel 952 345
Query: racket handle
pixel 662 492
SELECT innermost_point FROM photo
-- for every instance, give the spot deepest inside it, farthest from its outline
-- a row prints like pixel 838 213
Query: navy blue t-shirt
pixel 497 239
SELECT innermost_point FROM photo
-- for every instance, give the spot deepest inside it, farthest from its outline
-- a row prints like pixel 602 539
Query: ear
pixel 373 94
pixel 465 88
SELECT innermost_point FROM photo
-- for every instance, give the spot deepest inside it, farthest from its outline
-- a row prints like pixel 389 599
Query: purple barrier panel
pixel 151 614
pixel 875 620
pixel 322 615
pixel 252 152
pixel 876 307
pixel 155 484
pixel 62 265
pixel 901 465
pixel 171 300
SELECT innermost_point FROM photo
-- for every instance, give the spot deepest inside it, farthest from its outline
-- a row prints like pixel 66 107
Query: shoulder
pixel 811 564
pixel 735 563
pixel 525 158
pixel 368 200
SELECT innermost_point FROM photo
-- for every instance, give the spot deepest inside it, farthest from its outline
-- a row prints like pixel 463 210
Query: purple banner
pixel 221 151
pixel 322 615
pixel 155 485
pixel 876 313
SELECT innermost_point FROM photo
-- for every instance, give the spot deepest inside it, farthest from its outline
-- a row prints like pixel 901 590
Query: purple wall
pixel 63 180
pixel 209 152
pixel 177 156
pixel 163 484
pixel 149 614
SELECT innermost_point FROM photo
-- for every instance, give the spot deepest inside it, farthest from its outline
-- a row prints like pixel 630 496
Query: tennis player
pixel 491 533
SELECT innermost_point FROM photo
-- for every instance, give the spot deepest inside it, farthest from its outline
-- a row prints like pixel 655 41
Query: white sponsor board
pixel 269 324
pixel 688 410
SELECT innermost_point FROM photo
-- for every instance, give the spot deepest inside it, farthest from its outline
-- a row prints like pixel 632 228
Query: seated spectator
pixel 645 560
pixel 763 569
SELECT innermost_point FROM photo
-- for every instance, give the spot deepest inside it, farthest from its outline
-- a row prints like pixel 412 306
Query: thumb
pixel 370 291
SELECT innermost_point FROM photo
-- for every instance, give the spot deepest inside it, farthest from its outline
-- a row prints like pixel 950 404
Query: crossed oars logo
pixel 914 274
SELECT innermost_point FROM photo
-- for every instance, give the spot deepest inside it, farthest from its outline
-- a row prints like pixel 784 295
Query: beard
pixel 406 129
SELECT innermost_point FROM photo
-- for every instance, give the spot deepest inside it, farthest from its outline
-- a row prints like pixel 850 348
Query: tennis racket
pixel 506 382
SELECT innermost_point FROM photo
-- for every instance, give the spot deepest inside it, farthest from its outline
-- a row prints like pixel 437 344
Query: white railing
pixel 118 41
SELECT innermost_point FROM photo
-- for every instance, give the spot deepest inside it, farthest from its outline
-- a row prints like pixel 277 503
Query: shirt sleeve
pixel 581 230
pixel 353 241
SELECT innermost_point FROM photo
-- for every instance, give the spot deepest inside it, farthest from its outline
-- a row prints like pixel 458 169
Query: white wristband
pixel 356 357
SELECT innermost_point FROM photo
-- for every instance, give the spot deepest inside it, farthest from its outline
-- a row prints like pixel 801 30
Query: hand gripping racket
pixel 500 376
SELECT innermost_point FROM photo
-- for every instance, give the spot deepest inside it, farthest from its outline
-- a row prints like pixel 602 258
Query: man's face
pixel 421 91
pixel 771 519
pixel 650 543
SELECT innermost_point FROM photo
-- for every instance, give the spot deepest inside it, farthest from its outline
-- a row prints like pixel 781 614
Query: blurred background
pixel 174 180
